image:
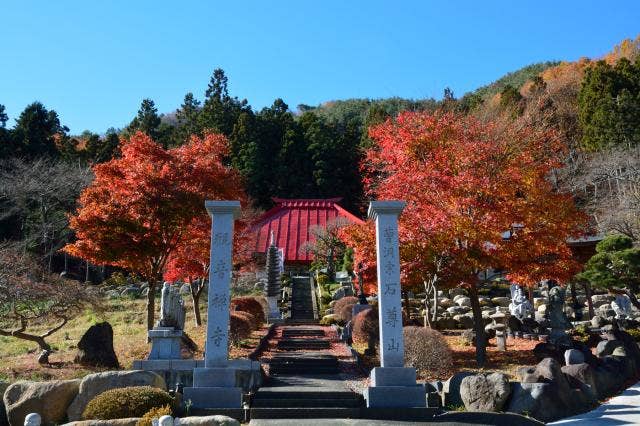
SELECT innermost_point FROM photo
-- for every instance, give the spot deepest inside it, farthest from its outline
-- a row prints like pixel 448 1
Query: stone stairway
pixel 304 383
pixel 301 301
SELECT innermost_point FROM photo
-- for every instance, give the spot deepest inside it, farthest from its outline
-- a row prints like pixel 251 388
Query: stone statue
pixel 32 419
pixel 172 310
pixel 559 321
pixel 520 306
pixel 621 306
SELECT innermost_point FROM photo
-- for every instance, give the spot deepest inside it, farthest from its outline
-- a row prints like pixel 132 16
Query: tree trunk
pixel 434 313
pixel 427 309
pixel 151 304
pixel 86 274
pixel 196 290
pixel 39 340
pixel 481 342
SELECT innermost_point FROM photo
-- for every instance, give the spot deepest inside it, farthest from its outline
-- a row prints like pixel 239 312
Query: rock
pixel 94 384
pixel 208 421
pixel 49 399
pixel 451 390
pixel 446 324
pixel 95 348
pixel 132 421
pixel 573 356
pixel 582 376
pixel 490 331
pixel 113 294
pixel 463 301
pixel 545 402
pixel 3 412
pixel 600 299
pixel 598 322
pixel 610 376
pixel 501 301
pixel 445 303
pixel 456 310
pixel 548 350
pixel 547 370
pixel 463 321
pixel 606 347
pixel 130 291
pixel 485 392
pixel 484 301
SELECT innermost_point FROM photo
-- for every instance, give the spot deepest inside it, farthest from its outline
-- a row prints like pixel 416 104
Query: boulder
pixel 546 371
pixel 462 301
pixel 610 376
pixel 484 301
pixel 501 301
pixel 445 302
pixel 3 412
pixel 485 392
pixel 113 294
pixel 456 292
pixel 598 322
pixel 548 350
pixel 573 356
pixel 600 299
pixel 49 399
pixel 451 390
pixel 545 402
pixel 131 291
pixel 95 348
pixel 606 347
pixel 94 384
pixel 456 310
pixel 464 321
pixel 582 376
pixel 208 421
pixel 542 309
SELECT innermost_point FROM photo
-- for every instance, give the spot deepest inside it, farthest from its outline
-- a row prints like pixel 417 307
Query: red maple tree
pixel 465 183
pixel 142 206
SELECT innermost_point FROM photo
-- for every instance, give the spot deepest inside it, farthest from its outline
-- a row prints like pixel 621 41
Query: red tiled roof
pixel 290 221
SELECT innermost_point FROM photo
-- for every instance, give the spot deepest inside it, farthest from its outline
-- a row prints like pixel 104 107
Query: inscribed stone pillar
pixel 392 384
pixel 222 214
pixel 216 384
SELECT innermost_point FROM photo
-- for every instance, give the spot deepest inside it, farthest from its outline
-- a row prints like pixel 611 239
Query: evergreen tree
pixel 3 117
pixel 220 111
pixel 187 117
pixel 609 105
pixel 147 120
pixel 36 131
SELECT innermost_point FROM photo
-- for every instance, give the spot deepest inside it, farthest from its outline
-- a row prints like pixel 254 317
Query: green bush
pixel 121 403
pixel 328 321
pixel 154 413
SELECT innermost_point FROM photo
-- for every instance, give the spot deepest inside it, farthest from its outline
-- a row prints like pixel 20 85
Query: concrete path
pixel 620 410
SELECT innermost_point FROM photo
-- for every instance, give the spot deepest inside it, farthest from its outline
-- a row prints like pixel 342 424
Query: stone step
pixel 307 402
pixel 296 332
pixel 300 370
pixel 304 343
pixel 304 413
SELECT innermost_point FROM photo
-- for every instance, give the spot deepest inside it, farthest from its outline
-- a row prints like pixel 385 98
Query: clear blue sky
pixel 94 61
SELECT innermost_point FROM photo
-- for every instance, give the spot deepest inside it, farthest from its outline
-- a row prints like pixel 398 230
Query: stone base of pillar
pixel 213 397
pixel 165 343
pixel 395 387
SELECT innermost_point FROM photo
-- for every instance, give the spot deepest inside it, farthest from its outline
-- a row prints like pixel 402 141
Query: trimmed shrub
pixel 154 413
pixel 249 304
pixel 426 350
pixel 239 327
pixel 365 327
pixel 342 308
pixel 121 403
pixel 248 317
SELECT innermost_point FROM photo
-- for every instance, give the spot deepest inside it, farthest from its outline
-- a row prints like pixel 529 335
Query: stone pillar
pixel 215 385
pixel 392 385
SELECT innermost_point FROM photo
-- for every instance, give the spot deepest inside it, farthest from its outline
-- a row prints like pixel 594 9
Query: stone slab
pixel 165 347
pixel 393 376
pixel 396 396
pixel 214 377
pixel 213 397
pixel 165 332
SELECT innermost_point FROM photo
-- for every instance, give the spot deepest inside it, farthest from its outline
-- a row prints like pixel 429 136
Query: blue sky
pixel 94 62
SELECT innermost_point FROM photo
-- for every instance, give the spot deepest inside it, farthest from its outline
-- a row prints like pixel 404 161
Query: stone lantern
pixel 500 327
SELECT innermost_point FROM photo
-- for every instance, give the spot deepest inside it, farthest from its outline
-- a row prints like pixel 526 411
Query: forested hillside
pixel 315 151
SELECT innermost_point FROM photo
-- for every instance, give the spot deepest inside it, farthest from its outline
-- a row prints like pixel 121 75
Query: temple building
pixel 291 220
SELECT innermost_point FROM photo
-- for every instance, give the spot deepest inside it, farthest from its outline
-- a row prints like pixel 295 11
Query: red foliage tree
pixel 466 183
pixel 142 206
